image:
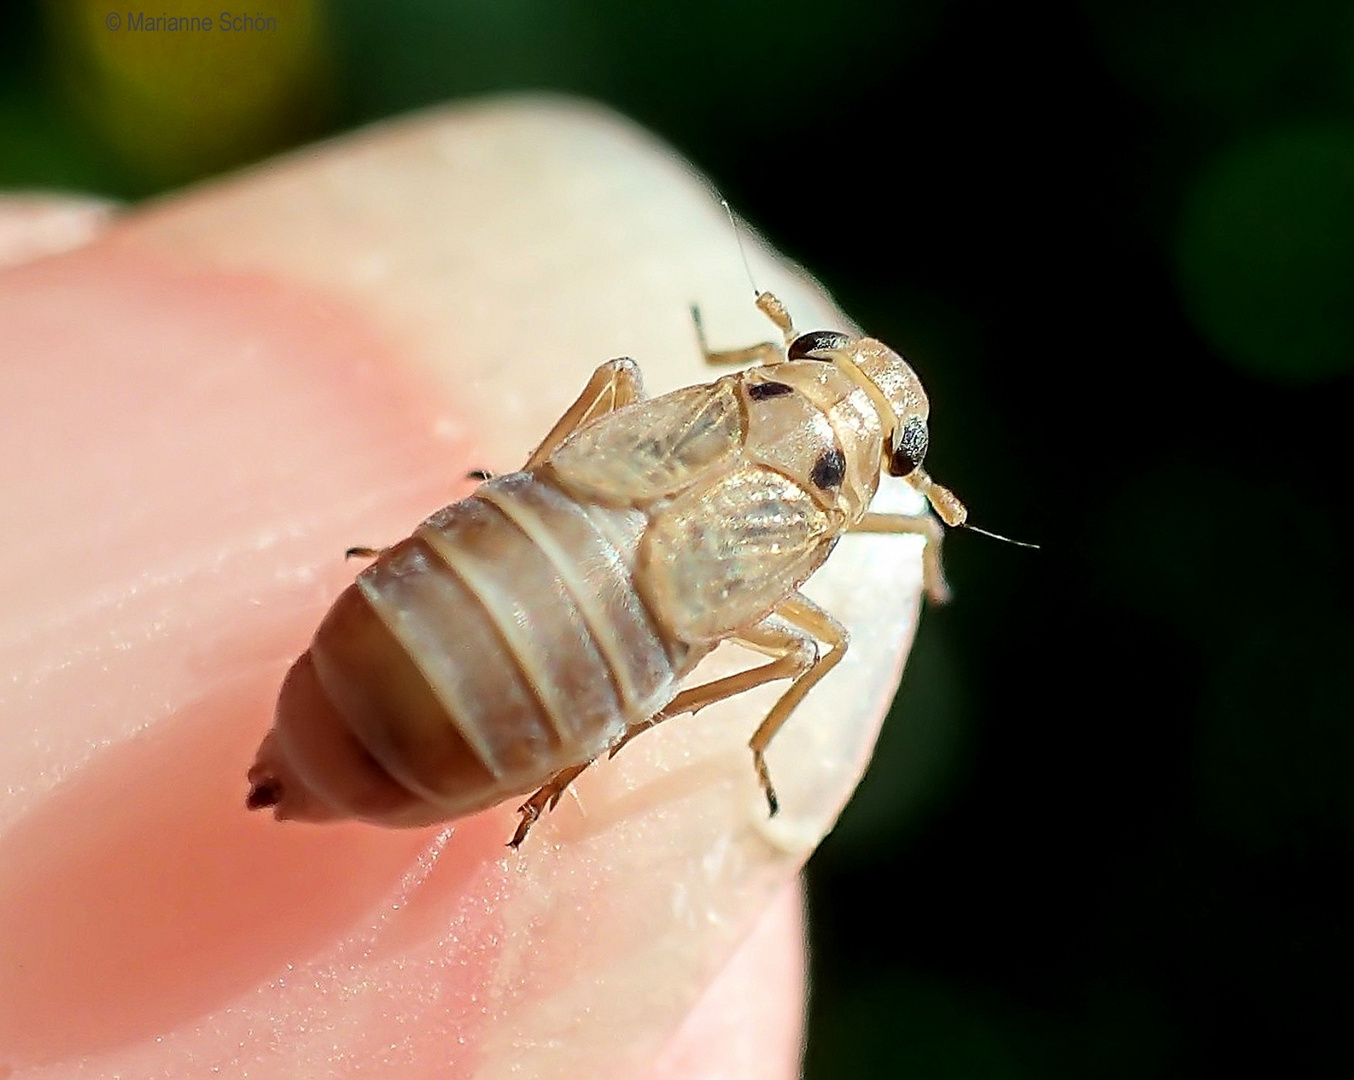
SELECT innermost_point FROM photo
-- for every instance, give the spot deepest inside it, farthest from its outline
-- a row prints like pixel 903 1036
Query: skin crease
pixel 220 393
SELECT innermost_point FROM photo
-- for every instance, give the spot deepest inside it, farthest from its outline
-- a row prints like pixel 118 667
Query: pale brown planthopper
pixel 549 618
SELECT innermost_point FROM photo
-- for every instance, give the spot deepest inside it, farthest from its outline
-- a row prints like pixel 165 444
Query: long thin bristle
pixel 998 536
pixel 738 239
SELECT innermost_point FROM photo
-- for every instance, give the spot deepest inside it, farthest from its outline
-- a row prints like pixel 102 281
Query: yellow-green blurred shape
pixel 177 91
pixel 1266 253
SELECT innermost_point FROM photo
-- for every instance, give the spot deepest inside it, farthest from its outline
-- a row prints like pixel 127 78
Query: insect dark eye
pixel 816 341
pixel 910 449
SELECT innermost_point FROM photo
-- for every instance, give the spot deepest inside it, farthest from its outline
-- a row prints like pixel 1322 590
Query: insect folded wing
pixel 653 449
pixel 706 554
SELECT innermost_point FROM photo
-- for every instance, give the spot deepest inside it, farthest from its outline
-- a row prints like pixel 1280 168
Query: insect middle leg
pixel 808 619
pixel 789 634
pixel 923 524
pixel 613 385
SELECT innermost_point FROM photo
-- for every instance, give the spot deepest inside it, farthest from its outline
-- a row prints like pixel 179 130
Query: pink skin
pixel 204 405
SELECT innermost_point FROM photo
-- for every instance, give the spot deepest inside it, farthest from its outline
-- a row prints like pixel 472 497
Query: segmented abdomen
pixel 500 643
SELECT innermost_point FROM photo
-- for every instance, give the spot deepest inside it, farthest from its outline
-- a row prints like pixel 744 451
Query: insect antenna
pixel 742 251
pixel 767 304
pixel 998 536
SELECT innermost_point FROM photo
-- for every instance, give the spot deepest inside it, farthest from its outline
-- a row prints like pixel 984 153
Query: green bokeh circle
pixel 1266 253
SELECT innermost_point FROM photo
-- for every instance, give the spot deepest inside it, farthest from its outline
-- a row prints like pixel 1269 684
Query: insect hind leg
pixel 544 799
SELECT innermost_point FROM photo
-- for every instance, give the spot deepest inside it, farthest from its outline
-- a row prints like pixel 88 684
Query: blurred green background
pixel 1109 828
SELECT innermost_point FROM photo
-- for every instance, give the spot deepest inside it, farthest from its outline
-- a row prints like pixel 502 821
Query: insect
pixel 552 616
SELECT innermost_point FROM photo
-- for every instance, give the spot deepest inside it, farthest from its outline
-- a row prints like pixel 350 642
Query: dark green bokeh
pixel 41 144
pixel 1111 832
pixel 687 66
pixel 933 1031
pixel 1272 638
pixel 917 758
pixel 1266 253
pixel 1225 61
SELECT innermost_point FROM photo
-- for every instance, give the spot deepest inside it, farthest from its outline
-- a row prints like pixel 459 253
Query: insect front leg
pixel 768 352
pixel 613 385
pixel 923 524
